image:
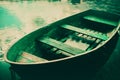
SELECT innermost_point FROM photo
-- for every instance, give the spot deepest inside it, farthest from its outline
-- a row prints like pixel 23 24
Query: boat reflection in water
pixel 71 48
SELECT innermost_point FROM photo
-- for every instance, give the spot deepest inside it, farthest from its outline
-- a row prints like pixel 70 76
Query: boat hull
pixel 80 67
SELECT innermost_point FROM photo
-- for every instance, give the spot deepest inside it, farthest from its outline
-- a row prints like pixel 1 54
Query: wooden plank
pixel 86 32
pixel 57 51
pixel 22 59
pixel 100 20
pixel 96 43
pixel 61 46
pixel 28 58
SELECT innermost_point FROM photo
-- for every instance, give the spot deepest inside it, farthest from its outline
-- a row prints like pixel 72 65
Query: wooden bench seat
pixel 90 33
pixel 101 20
pixel 60 45
pixel 28 58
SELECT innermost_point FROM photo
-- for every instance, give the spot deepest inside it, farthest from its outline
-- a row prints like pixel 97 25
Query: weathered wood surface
pixel 28 58
pixel 61 46
pixel 86 32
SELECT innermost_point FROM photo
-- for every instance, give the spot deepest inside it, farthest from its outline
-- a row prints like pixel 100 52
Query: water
pixel 7 19
pixel 4 71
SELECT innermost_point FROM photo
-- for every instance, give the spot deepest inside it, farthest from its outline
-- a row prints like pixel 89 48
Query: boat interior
pixel 72 37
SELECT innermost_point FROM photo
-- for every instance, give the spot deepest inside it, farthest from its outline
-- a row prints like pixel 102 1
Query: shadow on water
pixel 7 19
pixel 111 70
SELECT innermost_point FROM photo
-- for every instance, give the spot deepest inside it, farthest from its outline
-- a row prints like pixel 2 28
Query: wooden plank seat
pixel 26 57
pixel 101 20
pixel 86 32
pixel 61 46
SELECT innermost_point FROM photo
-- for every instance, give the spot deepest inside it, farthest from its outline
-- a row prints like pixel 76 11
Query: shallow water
pixel 7 19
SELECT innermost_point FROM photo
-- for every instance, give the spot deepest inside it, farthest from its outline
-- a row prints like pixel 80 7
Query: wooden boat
pixel 79 44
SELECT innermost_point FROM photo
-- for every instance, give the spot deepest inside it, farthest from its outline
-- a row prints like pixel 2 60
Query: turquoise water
pixel 7 19
pixel 4 71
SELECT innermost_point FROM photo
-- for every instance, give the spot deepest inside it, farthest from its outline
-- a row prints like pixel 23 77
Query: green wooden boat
pixel 79 44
